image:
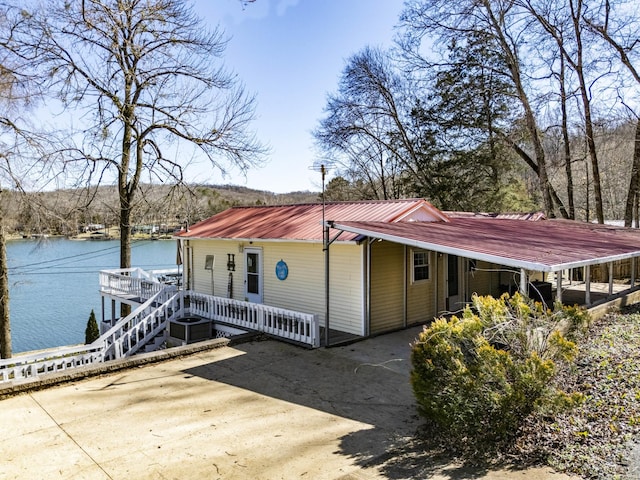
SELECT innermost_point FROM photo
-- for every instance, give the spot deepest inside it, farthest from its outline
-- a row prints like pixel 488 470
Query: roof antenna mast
pixel 323 167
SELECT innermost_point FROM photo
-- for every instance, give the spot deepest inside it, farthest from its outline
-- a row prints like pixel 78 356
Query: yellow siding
pixel 347 289
pixel 202 278
pixel 421 299
pixel 304 288
pixel 387 286
pixel 485 280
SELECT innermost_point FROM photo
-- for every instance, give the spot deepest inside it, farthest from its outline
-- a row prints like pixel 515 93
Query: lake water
pixel 53 285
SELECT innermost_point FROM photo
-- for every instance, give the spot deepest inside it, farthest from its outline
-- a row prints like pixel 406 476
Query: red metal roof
pixel 544 245
pixel 522 241
pixel 533 216
pixel 304 221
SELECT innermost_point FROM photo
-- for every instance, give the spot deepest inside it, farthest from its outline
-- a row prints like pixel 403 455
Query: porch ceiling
pixel 544 246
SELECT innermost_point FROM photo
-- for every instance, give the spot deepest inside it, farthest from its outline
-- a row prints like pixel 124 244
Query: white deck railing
pixel 287 324
pixel 133 282
pixel 150 319
pixel 49 361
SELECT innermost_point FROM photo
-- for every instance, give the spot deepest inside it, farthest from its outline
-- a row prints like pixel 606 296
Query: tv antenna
pixel 322 166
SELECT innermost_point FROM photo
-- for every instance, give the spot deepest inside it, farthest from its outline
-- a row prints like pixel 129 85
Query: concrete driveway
pixel 258 410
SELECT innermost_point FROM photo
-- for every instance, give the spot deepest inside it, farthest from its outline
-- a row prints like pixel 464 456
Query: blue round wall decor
pixel 282 270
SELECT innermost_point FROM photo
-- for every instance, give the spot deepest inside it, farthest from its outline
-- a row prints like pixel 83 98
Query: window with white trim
pixel 420 265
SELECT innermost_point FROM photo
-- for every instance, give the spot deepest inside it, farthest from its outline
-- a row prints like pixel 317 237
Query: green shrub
pixel 91 333
pixel 478 377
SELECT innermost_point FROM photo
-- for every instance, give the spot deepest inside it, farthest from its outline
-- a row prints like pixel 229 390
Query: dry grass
pixel 595 440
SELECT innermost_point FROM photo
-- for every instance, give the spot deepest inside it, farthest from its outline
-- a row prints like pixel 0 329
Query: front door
pixel 453 283
pixel 253 275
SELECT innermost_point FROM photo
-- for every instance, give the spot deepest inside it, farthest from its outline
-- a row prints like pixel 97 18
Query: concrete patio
pixel 259 410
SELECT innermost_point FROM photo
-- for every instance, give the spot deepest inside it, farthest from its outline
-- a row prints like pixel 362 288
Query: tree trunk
pixel 566 141
pixel 125 190
pixel 595 169
pixel 578 66
pixel 5 324
pixel 513 62
pixel 634 181
pixel 125 247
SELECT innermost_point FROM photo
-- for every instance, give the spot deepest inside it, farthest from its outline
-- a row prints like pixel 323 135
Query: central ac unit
pixel 188 330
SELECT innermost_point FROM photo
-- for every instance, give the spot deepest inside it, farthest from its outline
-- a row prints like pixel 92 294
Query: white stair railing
pixel 150 319
pixel 125 338
pixel 131 333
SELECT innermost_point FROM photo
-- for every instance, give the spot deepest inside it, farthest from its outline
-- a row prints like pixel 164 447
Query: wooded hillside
pixel 66 212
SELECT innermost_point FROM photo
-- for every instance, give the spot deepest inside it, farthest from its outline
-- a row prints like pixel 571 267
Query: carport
pixel 526 246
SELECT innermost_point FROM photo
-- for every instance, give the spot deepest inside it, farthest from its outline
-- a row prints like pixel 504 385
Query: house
pixel 364 268
pixel 352 269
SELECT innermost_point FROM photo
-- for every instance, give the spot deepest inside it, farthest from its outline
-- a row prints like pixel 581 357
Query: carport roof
pixel 544 245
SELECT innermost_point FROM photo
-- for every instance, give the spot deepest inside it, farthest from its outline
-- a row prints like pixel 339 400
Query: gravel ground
pixel 601 438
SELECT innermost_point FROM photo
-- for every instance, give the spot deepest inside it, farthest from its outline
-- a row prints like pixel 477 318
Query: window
pixel 420 267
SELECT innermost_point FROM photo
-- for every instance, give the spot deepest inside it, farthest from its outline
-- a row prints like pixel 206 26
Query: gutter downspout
pixel 404 287
pixel 367 327
pixel 436 282
pixel 326 243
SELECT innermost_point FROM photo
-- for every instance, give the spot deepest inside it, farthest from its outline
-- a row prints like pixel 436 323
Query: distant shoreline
pixel 83 237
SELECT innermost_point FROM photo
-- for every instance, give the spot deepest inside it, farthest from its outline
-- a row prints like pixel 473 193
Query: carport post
pixel 633 272
pixel 610 278
pixel 587 284
pixel 523 282
pixel 326 282
pixel 559 286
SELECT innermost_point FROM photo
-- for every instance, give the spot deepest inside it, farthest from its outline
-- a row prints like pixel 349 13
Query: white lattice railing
pixel 288 324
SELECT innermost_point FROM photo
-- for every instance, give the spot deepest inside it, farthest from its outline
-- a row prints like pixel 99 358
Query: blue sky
pixel 290 53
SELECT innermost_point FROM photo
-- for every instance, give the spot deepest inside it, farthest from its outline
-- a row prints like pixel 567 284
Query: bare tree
pixel 146 80
pixel 5 321
pixel 365 128
pixel 566 141
pixel 14 91
pixel 558 18
pixel 617 24
pixel 442 22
